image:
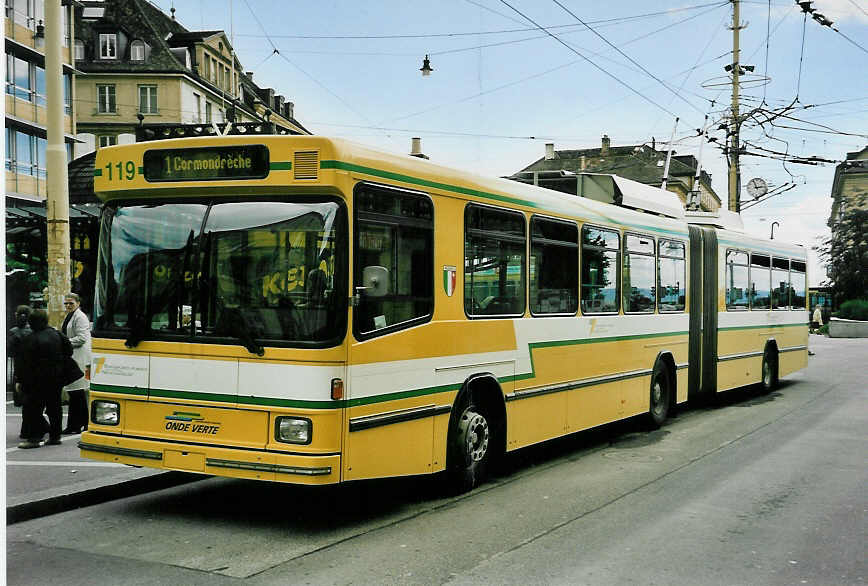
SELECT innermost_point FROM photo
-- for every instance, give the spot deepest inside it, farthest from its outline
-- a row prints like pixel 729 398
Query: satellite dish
pixel 757 188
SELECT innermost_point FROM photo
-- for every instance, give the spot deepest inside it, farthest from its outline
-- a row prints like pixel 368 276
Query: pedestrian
pixel 39 364
pixel 817 319
pixel 76 327
pixel 16 333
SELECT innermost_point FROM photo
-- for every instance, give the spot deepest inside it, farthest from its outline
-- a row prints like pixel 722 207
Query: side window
pixel 600 250
pixel 494 262
pixel 736 280
pixel 638 274
pixel 394 259
pixel 780 283
pixel 554 267
pixel 672 276
pixel 797 285
pixel 760 279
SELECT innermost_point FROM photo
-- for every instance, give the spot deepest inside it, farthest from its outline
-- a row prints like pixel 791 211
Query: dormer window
pixel 79 50
pixel 137 51
pixel 108 46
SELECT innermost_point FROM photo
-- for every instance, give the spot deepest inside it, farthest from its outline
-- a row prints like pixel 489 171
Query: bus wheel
pixel 770 371
pixel 661 392
pixel 469 449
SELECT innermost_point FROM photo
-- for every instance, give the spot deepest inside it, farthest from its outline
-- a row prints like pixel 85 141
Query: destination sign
pixel 207 163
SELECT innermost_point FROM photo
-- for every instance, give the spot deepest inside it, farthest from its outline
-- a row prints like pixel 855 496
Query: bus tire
pixel 769 381
pixel 469 448
pixel 660 396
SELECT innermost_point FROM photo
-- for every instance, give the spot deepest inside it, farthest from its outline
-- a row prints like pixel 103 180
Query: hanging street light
pixel 426 67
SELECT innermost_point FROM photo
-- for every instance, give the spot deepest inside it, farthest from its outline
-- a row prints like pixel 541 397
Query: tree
pixel 845 253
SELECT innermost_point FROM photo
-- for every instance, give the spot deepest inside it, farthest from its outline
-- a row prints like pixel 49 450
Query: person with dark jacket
pixel 16 333
pixel 39 364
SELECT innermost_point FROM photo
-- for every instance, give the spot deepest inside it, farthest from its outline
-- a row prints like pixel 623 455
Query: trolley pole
pixel 57 186
pixel 734 146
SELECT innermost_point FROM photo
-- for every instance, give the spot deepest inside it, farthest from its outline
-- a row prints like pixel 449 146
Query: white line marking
pixel 75 464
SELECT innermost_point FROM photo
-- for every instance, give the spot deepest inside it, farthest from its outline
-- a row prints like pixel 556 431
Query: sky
pixel 511 75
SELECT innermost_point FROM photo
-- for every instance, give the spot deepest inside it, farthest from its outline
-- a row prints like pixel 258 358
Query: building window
pixel 25 153
pixel 19 78
pixel 148 99
pixel 67 93
pixel 40 85
pixel 494 262
pixel 108 46
pixel 198 99
pixel 107 140
pixel 137 51
pixel 554 267
pixel 207 112
pixel 106 99
pixel 79 50
pixel 638 274
pixel 600 255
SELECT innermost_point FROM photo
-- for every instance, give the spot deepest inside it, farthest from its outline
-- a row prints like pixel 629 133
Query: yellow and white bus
pixel 307 310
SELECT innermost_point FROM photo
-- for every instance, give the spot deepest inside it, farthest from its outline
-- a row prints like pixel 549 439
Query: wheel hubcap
pixel 657 397
pixel 767 374
pixel 474 430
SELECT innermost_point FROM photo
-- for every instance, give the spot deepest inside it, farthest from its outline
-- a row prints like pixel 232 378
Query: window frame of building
pixel 106 104
pixel 606 249
pixel 393 228
pixel 108 46
pixel 137 50
pixel 105 140
pixel 148 99
pixel 78 50
pixel 198 100
pixel 553 260
pixel 493 238
pixel 208 112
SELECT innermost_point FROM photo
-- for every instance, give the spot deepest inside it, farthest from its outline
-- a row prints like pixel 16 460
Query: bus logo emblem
pixel 449 276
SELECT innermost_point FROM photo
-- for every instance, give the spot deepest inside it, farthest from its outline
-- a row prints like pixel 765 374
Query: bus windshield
pixel 248 273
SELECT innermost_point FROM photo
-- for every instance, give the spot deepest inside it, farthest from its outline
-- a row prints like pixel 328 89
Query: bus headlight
pixel 105 413
pixel 293 430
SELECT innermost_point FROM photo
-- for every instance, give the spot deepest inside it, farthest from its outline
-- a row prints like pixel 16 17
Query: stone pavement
pixel 50 479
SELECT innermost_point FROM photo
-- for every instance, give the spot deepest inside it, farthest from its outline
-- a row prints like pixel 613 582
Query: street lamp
pixel 773 229
pixel 426 67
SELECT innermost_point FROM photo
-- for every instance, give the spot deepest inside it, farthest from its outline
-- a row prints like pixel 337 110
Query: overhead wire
pixel 620 81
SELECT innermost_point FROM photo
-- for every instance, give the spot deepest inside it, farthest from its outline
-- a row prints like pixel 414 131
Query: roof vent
pixel 306 164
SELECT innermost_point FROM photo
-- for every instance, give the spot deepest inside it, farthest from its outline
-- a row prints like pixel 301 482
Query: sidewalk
pixel 51 479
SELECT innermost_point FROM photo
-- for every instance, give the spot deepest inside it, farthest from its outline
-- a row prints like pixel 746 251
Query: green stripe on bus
pixel 280 165
pixel 408 394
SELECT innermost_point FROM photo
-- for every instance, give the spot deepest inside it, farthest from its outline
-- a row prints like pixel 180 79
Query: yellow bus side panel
pixel 398 449
pixel 635 396
pixel 536 419
pixel 789 362
pixel 593 406
pixel 738 373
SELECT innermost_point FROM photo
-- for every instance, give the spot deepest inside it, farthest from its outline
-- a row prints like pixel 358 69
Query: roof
pixel 185 38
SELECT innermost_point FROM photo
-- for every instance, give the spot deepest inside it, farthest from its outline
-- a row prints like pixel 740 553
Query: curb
pixel 94 496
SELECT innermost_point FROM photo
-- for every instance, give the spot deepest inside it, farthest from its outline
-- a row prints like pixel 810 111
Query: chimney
pixel 278 103
pixel 550 151
pixel 604 150
pixel 288 110
pixel 416 148
pixel 653 144
pixel 583 163
pixel 249 75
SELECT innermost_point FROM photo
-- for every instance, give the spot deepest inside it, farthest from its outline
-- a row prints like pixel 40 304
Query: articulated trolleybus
pixel 306 310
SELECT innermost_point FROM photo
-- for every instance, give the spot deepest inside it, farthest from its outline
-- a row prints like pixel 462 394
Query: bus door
pixel 702 353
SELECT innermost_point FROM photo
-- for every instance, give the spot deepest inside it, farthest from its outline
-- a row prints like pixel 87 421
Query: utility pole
pixel 734 146
pixel 57 186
